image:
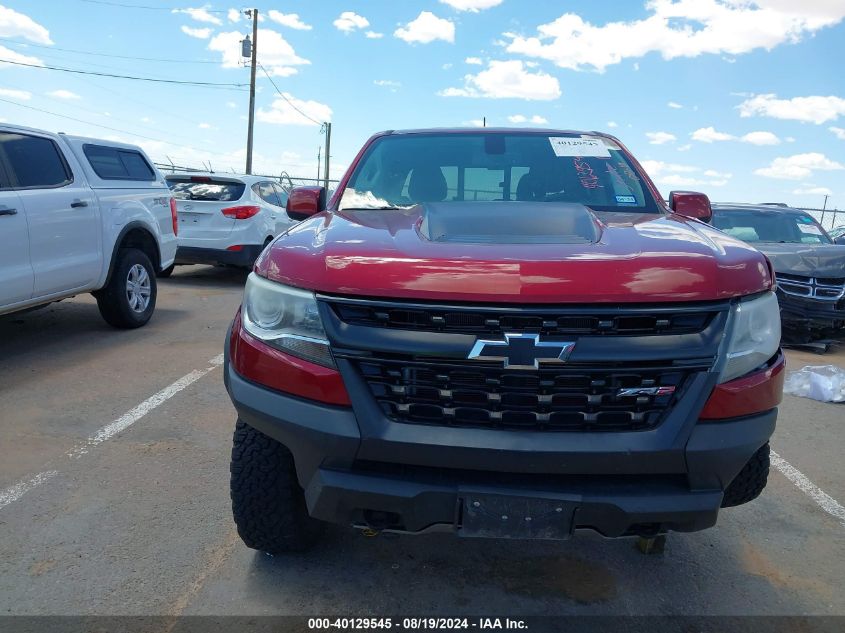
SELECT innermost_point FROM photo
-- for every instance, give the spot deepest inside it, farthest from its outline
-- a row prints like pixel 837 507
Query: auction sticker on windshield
pixel 584 146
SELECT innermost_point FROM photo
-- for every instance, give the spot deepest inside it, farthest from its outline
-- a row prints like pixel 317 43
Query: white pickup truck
pixel 82 215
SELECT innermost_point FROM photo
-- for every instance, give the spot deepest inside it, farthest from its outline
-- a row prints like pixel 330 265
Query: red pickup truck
pixel 500 333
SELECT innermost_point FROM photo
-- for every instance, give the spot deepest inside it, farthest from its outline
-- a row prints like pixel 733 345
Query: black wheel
pixel 750 481
pixel 267 502
pixel 129 299
pixel 164 274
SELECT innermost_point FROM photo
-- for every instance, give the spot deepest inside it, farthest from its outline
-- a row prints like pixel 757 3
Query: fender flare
pixel 135 224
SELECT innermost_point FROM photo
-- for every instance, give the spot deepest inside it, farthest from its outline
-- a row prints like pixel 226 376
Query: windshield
pixel 408 169
pixel 770 226
pixel 208 189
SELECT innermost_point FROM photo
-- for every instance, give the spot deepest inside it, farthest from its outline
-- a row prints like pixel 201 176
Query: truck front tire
pixel 129 298
pixel 750 481
pixel 267 502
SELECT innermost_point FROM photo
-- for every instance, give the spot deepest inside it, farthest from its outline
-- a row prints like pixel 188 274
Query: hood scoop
pixel 509 223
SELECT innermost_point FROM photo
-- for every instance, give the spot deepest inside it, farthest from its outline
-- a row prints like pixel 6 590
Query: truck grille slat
pixel 493 321
pixel 549 399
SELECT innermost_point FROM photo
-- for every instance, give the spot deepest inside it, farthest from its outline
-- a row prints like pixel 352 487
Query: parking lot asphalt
pixel 114 449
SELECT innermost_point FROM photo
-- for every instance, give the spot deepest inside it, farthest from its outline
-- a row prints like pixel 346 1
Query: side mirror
pixel 303 202
pixel 691 205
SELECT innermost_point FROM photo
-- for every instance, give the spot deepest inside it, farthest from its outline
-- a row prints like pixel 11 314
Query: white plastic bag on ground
pixel 819 382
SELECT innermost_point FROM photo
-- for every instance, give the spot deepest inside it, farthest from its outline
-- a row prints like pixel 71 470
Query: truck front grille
pixel 575 398
pixel 492 321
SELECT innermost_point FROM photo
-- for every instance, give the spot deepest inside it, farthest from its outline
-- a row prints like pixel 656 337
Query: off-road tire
pixel 750 481
pixel 164 274
pixel 267 502
pixel 112 300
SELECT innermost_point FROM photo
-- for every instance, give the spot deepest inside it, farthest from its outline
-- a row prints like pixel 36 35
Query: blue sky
pixel 741 99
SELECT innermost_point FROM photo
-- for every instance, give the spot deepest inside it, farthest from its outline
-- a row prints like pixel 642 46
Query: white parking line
pixel 130 417
pixel 19 489
pixel 825 501
pixel 13 493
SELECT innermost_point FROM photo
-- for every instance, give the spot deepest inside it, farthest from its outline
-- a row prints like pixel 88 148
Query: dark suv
pixel 500 333
pixel 809 266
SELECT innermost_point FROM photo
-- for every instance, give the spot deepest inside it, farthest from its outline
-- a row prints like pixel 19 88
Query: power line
pixel 125 5
pixel 106 127
pixel 150 79
pixel 71 50
pixel 289 102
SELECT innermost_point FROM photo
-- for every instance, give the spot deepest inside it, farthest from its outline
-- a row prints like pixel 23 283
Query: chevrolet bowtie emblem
pixel 522 351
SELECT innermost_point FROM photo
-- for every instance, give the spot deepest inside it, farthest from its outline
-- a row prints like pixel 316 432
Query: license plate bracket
pixel 516 516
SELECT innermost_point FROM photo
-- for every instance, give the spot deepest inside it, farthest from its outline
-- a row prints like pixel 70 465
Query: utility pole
pixel 328 127
pixel 319 162
pixel 825 202
pixel 254 51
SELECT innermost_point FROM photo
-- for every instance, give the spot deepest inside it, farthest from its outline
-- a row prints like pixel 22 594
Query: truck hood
pixel 809 260
pixel 428 252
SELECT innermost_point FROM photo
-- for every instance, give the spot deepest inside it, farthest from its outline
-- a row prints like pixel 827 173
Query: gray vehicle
pixel 809 266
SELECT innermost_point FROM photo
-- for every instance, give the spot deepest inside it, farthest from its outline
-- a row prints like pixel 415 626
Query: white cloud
pixel 799 166
pixel 388 83
pixel 200 34
pixel 507 80
pixel 675 175
pixel 201 14
pixel 760 138
pixel 14 24
pixel 234 15
pixel 612 124
pixel 373 35
pixel 64 94
pixel 812 191
pixel 472 5
pixel 349 21
pixel 20 95
pixel 204 126
pixel 231 104
pixel 678 28
pixel 474 61
pixel 521 118
pixel 838 132
pixel 660 138
pixel 684 148
pixel 282 113
pixel 814 109
pixel 425 28
pixel 711 135
pixel 274 52
pixel 13 56
pixel 290 20
pixel 675 105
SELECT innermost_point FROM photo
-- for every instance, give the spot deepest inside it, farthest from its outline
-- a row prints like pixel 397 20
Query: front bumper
pixel 194 255
pixel 415 478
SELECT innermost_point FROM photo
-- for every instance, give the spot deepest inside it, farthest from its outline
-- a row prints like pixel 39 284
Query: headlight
pixel 755 336
pixel 285 318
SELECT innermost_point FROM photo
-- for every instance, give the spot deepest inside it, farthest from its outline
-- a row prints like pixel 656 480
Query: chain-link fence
pixel 286 180
pixel 828 218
